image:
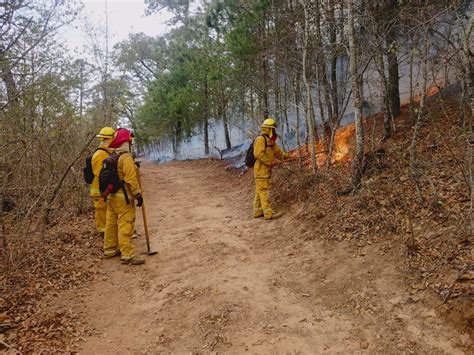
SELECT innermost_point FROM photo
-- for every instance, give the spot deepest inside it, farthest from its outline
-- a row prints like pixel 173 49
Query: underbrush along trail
pixel 224 281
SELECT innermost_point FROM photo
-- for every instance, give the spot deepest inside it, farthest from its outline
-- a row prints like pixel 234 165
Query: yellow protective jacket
pixel 265 157
pixel 127 172
pixel 97 160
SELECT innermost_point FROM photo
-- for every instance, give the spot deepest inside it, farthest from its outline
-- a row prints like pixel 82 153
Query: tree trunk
pixel 410 74
pixel 296 88
pixel 284 124
pixel 322 70
pixel 321 111
pixel 206 136
pixel 333 40
pixel 243 104
pixel 339 108
pixel 387 115
pixel 10 85
pixel 226 128
pixel 177 139
pixel 307 136
pixel 415 173
pixel 313 118
pixel 285 105
pixel 206 119
pixel 326 121
pixel 81 89
pixel 469 72
pixel 252 106
pixel 311 128
pixel 106 69
pixel 3 237
pixel 393 77
pixel 175 148
pixel 330 147
pixel 276 98
pixel 358 162
pixel 307 81
pixel 265 109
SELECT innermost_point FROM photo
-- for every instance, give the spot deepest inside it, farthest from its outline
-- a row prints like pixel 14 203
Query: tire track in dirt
pixel 224 281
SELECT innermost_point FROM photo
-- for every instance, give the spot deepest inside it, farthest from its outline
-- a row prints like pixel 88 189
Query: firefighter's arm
pixel 97 160
pixel 130 174
pixel 259 151
pixel 279 153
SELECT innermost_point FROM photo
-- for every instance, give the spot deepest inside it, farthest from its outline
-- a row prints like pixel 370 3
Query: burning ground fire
pixel 342 144
pixel 341 150
pixel 343 139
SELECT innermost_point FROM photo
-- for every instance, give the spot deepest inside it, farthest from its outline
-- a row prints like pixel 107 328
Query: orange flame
pixel 431 91
pixel 342 144
pixel 342 139
pixel 340 153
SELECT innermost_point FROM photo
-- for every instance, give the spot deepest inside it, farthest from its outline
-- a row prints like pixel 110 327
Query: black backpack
pixel 109 181
pixel 88 172
pixel 249 157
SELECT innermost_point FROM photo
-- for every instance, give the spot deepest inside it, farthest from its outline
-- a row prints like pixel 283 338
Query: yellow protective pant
pixel 119 227
pixel 100 213
pixel 261 203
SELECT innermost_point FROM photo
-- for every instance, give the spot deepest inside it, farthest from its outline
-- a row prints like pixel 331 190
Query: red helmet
pixel 121 136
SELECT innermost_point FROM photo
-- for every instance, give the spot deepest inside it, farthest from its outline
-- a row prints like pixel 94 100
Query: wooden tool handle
pixel 145 224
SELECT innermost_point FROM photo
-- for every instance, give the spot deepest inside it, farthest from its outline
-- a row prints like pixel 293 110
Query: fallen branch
pixel 220 151
pixel 60 183
pixel 5 344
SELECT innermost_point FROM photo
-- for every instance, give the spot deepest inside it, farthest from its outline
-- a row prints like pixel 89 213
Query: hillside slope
pixel 428 226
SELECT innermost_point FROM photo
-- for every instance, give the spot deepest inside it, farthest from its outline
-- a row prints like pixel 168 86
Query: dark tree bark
pixel 297 96
pixel 387 119
pixel 358 162
pixel 262 35
pixel 206 119
pixel 276 95
pixel 7 78
pixel 393 76
pixel 265 109
pixel 306 75
pixel 321 68
pixel 414 168
pixel 226 128
pixel 177 138
pixel 333 40
pixel 393 83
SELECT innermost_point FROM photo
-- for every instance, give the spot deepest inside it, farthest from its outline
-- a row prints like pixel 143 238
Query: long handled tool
pixel 145 224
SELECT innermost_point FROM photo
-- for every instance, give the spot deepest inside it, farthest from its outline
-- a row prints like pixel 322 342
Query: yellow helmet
pixel 269 123
pixel 106 133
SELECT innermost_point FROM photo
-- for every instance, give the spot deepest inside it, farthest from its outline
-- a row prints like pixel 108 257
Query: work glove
pixel 139 199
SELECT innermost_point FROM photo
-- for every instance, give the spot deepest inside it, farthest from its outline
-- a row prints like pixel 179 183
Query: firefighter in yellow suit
pixel 105 136
pixel 120 213
pixel 265 151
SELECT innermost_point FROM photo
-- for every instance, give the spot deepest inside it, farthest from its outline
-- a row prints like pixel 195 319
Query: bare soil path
pixel 223 281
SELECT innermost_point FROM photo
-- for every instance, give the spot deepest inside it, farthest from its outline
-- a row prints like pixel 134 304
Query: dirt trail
pixel 223 281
